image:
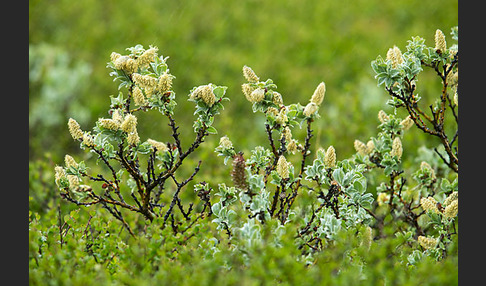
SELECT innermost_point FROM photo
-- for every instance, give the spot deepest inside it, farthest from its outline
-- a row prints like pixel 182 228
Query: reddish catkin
pixel 238 174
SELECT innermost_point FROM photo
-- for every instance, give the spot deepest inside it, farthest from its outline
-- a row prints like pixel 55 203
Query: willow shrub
pixel 290 216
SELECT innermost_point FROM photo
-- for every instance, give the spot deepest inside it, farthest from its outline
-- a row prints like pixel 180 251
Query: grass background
pixel 296 43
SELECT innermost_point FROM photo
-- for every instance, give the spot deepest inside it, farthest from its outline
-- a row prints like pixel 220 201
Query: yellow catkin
pixel 250 75
pixel 360 147
pixel 131 66
pixel 292 146
pixel 452 197
pixel 310 109
pixel 129 123
pixel 145 81
pixel 117 116
pixel 75 129
pixel 452 209
pixel 257 95
pixel 204 92
pixel 73 181
pixel 225 143
pixel 282 117
pixel 133 138
pixel 247 90
pixel 165 82
pixel 114 56
pixel 330 157
pixel 277 98
pixel 395 55
pixel 287 133
pixel 138 97
pixel 397 149
pixel 370 146
pixel 382 116
pixel 70 162
pixel 272 110
pixel 147 57
pixel 429 204
pixel 160 146
pixel 60 174
pixel 109 124
pixel 283 167
pixel 121 62
pixel 440 41
pixel 319 94
pixel 208 96
pixel 407 123
pixel 427 242
pixel 88 140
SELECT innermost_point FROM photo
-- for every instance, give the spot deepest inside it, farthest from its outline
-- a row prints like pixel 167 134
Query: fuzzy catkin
pixel 238 174
pixel 283 167
pixel 70 162
pixel 395 55
pixel 319 94
pixel 88 140
pixel 225 143
pixel 427 242
pixel 250 75
pixel 310 109
pixel 452 209
pixel 165 82
pixel 330 157
pixel 367 237
pixel 109 124
pixel 257 95
pixel 440 41
pixel 452 197
pixel 407 123
pixel 60 174
pixel 360 147
pixel 133 138
pixel 204 92
pixel 129 123
pixel 292 146
pixel 147 57
pixel 159 146
pixel 75 129
pixel 397 149
pixel 429 204
pixel 138 97
pixel 382 116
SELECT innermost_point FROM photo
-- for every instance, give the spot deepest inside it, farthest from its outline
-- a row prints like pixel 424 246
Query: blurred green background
pixel 297 43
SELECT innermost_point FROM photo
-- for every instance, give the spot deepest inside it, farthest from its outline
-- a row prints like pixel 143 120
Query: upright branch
pixel 398 72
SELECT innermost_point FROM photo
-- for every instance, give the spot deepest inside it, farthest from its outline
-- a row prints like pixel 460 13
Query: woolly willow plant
pixel 145 164
pixel 280 188
pixel 399 72
pixel 267 184
pixel 429 209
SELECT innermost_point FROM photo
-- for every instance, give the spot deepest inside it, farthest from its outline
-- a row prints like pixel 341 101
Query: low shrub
pixel 291 215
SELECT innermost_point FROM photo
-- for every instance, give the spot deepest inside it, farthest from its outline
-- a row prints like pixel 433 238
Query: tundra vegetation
pixel 280 212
